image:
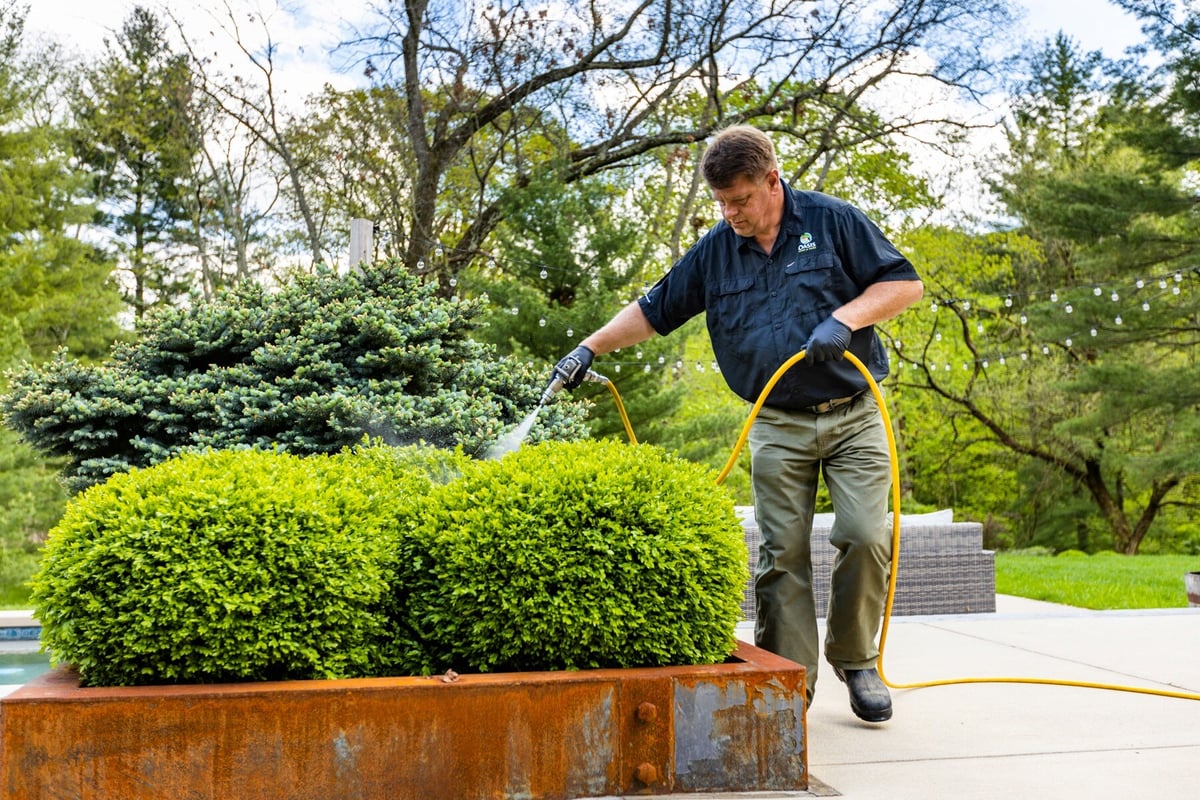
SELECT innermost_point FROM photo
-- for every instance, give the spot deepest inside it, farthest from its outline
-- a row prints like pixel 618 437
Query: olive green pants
pixel 790 450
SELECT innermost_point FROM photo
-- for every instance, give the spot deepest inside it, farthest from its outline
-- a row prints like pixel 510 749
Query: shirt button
pixel 774 294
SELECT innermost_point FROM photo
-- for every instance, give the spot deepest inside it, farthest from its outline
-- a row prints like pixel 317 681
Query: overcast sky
pixel 317 25
pixel 305 34
pixel 310 29
pixel 1097 24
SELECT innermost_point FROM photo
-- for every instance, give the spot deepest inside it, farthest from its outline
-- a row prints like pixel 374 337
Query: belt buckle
pixel 830 405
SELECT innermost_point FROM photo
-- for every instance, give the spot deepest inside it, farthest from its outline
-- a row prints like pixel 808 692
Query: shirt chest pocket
pixel 731 305
pixel 812 281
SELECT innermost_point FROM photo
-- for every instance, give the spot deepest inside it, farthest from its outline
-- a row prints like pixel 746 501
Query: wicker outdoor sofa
pixel 943 566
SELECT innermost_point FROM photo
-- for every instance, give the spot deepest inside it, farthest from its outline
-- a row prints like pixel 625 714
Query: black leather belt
pixel 830 405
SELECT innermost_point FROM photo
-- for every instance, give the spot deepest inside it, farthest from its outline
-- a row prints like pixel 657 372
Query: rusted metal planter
pixel 737 726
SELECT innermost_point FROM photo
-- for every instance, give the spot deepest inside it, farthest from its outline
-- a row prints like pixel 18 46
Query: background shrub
pixel 234 565
pixel 574 555
pixel 307 369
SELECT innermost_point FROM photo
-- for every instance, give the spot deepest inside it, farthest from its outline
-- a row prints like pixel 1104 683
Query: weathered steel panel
pixel 738 734
pixel 533 736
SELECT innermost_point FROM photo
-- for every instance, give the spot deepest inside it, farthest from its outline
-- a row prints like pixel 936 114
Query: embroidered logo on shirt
pixel 806 243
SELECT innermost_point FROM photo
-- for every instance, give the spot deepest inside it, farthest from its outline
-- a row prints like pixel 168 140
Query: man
pixel 786 270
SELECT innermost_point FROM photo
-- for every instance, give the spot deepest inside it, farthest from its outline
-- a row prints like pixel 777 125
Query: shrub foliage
pixel 575 555
pixel 308 369
pixel 253 565
pixel 238 565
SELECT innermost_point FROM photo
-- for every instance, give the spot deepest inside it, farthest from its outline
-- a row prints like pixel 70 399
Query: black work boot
pixel 869 698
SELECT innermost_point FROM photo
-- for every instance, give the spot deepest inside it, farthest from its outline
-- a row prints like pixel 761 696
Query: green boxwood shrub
pixel 574 555
pixel 233 565
pixel 251 565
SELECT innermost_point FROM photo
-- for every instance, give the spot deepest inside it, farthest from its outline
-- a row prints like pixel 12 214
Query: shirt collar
pixel 789 223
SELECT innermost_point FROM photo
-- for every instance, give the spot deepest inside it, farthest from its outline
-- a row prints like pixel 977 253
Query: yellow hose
pixel 891 592
pixel 612 389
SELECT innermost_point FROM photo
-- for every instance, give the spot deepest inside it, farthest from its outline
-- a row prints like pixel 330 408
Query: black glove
pixel 574 366
pixel 829 341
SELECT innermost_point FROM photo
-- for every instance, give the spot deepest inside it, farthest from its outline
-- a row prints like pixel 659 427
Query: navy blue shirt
pixel 761 307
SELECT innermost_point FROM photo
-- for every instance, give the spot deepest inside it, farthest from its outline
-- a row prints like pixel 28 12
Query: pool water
pixel 17 668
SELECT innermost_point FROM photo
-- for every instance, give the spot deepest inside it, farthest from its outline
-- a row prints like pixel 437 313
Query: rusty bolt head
pixel 646 773
pixel 647 712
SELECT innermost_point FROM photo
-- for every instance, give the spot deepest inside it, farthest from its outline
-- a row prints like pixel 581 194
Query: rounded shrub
pixel 573 555
pixel 231 565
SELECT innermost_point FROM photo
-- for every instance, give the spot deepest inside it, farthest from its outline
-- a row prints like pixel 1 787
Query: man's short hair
pixel 737 151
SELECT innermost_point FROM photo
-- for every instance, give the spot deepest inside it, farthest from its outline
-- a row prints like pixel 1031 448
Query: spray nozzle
pixel 558 381
pixel 555 386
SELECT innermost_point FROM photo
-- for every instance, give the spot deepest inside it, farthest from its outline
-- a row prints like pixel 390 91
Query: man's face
pixel 750 206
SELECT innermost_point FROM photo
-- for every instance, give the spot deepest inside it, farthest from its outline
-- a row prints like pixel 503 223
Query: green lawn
pixel 1102 581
